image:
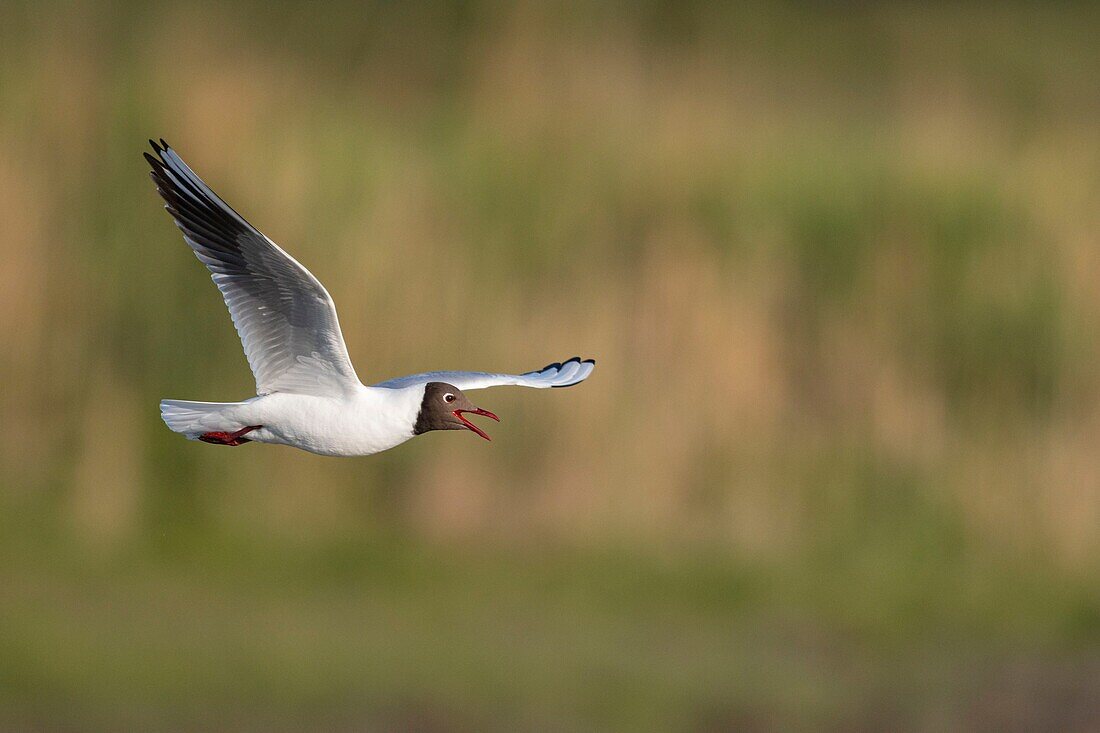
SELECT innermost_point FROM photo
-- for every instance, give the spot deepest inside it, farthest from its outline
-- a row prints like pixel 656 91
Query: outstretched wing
pixel 285 317
pixel 552 375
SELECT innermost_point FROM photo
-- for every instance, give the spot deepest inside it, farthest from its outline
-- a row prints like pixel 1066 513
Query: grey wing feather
pixel 285 317
pixel 558 374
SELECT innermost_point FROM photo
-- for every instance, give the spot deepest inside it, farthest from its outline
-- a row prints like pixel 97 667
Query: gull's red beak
pixel 470 425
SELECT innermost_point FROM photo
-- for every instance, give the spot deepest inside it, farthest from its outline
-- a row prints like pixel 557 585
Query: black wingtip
pixel 155 161
pixel 589 361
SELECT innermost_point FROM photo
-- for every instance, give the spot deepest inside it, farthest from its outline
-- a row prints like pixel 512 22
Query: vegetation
pixel 837 466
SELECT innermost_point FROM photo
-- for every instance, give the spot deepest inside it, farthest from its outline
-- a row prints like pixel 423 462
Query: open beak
pixel 470 425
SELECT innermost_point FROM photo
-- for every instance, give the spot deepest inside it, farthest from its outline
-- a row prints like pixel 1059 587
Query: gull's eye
pixel 448 397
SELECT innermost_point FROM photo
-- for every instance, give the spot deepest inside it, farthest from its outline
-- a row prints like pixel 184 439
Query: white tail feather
pixel 195 418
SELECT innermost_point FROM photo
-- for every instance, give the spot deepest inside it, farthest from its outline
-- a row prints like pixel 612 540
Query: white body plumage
pixel 366 421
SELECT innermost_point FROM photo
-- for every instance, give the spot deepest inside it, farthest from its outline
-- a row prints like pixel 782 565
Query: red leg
pixel 234 438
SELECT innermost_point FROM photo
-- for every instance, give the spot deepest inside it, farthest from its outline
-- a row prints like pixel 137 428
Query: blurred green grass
pixel 836 470
pixel 375 632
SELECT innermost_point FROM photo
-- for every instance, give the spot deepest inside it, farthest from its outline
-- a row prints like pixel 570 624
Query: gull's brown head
pixel 444 407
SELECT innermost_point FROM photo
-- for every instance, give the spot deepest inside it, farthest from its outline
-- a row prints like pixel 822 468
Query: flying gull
pixel 307 393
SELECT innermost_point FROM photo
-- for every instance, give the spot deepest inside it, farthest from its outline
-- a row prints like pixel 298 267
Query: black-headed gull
pixel 308 395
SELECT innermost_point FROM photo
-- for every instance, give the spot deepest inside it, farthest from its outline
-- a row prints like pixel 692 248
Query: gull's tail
pixel 195 419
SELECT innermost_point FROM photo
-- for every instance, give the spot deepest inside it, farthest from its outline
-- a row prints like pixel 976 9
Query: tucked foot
pixel 234 438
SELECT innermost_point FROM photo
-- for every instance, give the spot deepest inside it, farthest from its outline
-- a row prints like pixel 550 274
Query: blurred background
pixel 837 468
